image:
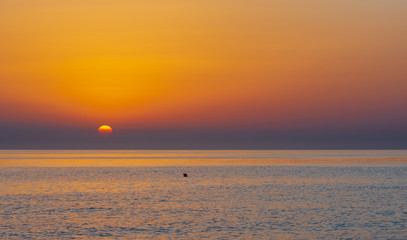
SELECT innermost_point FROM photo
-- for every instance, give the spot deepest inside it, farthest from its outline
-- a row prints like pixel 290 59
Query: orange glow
pixel 105 130
pixel 202 64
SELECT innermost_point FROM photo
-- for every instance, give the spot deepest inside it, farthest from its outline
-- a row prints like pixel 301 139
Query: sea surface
pixel 81 194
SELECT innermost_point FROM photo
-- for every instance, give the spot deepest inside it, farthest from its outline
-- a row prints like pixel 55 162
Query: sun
pixel 105 130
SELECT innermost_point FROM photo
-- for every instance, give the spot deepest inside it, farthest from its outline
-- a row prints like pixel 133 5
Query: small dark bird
pixel 185 174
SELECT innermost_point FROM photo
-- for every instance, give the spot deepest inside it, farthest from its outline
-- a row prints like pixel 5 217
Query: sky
pixel 259 74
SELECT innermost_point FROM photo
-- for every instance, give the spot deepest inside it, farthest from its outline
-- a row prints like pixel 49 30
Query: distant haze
pixel 203 74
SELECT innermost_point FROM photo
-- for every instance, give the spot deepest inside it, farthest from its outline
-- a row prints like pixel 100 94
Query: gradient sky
pixel 203 74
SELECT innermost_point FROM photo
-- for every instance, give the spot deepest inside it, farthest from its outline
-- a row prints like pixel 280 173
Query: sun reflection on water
pixel 216 201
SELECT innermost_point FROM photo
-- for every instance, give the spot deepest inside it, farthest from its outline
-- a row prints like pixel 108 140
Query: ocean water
pixel 227 194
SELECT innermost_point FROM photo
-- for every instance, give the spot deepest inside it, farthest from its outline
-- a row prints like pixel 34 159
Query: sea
pixel 133 194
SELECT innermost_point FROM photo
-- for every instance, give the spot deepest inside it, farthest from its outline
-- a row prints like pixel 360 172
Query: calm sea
pixel 227 194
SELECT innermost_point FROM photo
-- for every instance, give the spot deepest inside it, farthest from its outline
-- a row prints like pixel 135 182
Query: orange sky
pixel 203 64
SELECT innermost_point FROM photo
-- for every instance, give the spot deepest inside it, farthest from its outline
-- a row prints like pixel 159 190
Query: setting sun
pixel 105 130
pixel 229 116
